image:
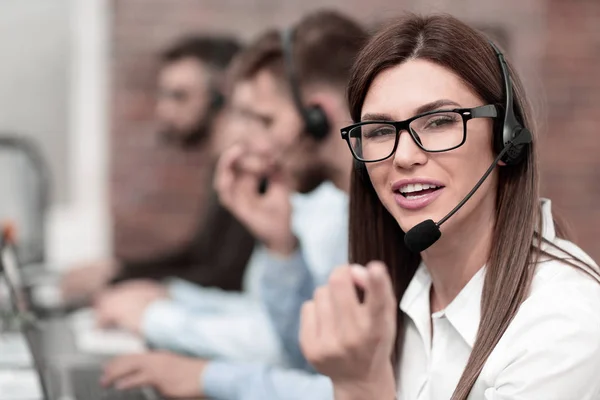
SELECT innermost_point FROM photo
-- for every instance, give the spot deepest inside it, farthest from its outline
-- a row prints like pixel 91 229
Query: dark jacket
pixel 215 256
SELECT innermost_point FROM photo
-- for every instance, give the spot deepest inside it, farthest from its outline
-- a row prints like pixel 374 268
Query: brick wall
pixel 555 44
pixel 571 150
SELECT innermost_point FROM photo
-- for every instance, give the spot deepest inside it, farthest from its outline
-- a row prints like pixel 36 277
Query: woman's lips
pixel 417 200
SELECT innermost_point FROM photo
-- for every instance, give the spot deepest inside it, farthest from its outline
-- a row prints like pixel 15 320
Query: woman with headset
pixel 497 304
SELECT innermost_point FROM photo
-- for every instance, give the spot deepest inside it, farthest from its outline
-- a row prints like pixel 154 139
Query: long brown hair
pixel 374 234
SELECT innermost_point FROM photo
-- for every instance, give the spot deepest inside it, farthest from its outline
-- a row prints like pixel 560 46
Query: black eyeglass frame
pixel 486 111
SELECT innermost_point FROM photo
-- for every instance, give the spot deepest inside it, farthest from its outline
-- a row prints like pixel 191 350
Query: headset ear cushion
pixel 514 155
pixel 317 122
pixel 517 152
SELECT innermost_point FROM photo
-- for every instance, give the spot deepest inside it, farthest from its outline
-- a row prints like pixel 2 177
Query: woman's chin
pixel 407 223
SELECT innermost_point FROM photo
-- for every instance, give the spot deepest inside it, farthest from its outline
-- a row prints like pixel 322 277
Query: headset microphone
pixel 263 185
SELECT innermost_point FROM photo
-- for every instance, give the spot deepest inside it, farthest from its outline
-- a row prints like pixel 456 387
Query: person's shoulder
pixel 563 263
pixel 564 287
pixel 325 194
pixel 326 205
pixel 555 332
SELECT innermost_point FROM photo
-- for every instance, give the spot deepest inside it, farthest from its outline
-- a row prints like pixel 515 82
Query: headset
pixel 510 142
pixel 316 123
pixel 509 128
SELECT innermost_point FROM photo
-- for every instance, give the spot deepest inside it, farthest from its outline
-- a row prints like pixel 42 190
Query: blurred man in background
pixel 303 236
pixel 189 110
pixel 196 320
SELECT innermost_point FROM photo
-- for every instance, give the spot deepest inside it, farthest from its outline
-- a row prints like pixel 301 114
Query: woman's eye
pixel 440 121
pixel 379 132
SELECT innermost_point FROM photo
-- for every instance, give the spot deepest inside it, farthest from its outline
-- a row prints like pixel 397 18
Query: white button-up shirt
pixel 550 351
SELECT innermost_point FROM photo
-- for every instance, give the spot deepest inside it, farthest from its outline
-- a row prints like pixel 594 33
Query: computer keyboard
pixel 86 386
pixel 90 339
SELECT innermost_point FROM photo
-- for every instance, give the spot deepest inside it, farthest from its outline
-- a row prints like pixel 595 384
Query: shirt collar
pixel 464 312
pixel 415 303
pixel 548 231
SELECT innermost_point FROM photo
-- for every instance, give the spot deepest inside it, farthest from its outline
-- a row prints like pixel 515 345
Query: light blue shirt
pixel 320 222
pixel 211 323
pixel 239 381
pixel 248 332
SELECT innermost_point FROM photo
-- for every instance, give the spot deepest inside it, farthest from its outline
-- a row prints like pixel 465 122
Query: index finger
pixel 379 293
pixel 254 163
pixel 224 173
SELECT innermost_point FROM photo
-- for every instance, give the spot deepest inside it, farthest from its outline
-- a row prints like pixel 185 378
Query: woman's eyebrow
pixel 434 105
pixel 376 117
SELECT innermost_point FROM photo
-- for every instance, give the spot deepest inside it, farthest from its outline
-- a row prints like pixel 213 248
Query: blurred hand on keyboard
pixel 123 305
pixel 172 375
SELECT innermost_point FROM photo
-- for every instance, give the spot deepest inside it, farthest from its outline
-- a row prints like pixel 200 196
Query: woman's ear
pixel 501 163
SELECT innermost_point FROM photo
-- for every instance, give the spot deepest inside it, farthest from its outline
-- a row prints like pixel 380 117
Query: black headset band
pixel 511 127
pixel 315 120
pixel 508 88
pixel 287 40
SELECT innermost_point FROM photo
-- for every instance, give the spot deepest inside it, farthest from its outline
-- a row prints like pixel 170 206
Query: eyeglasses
pixel 434 132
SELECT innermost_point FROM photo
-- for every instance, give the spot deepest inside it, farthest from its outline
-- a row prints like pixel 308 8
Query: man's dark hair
pixel 325 44
pixel 214 51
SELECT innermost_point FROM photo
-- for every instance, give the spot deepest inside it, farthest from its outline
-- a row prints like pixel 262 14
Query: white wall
pixel 34 78
pixel 54 88
pixel 81 228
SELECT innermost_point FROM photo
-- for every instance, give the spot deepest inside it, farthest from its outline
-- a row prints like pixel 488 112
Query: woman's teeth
pixel 417 190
